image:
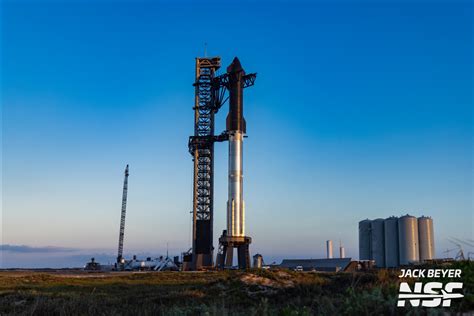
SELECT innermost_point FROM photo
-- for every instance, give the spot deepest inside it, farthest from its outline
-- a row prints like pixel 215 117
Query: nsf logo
pixel 433 294
pixel 429 294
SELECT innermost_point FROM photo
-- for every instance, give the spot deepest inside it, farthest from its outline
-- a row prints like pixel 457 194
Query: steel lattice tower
pixel 122 216
pixel 201 147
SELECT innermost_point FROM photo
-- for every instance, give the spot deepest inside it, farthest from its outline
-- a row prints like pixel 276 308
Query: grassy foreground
pixel 254 292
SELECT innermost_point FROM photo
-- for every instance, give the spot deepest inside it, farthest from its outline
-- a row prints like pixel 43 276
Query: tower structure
pixel 201 147
pixel 122 217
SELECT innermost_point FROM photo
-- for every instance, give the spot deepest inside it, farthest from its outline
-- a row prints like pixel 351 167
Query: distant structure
pixel 377 239
pixel 92 265
pixel 365 244
pixel 392 256
pixel 258 261
pixel 151 264
pixel 329 249
pixel 95 266
pixel 408 240
pixel 342 252
pixel 323 265
pixel 426 238
pixel 393 241
pixel 122 217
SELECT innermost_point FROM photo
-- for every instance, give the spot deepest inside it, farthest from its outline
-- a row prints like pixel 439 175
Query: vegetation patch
pixel 253 292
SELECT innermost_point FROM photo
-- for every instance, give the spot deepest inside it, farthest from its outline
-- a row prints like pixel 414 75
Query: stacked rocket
pixel 234 236
pixel 235 126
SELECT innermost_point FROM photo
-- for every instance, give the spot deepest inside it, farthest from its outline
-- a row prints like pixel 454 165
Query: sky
pixel 360 110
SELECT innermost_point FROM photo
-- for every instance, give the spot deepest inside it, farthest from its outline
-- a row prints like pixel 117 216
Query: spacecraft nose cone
pixel 235 66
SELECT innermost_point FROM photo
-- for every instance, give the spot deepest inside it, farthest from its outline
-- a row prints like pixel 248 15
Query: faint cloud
pixel 29 249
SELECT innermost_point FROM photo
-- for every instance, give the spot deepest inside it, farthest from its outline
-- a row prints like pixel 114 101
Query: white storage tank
pixel 426 238
pixel 391 242
pixel 408 239
pixel 342 252
pixel 377 242
pixel 329 249
pixel 365 250
pixel 257 261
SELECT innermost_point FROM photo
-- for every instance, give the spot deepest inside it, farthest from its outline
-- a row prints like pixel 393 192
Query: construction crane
pixel 122 217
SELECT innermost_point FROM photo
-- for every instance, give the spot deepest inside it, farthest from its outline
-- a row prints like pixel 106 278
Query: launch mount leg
pixel 228 243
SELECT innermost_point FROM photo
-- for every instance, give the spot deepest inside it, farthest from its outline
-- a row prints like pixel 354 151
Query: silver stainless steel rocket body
pixel 235 202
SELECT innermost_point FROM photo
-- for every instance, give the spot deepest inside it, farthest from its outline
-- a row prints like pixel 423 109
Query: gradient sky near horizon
pixel 360 110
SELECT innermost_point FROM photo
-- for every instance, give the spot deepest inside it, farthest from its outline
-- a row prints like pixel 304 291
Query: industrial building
pixel 396 241
pixel 327 265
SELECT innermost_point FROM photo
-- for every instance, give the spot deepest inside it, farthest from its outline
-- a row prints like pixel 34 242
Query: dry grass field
pixel 254 292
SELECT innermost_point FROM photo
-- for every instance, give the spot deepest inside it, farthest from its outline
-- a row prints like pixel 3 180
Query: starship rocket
pixel 235 126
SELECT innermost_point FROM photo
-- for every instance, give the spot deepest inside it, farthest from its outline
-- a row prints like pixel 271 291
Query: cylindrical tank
pixel 391 242
pixel 365 252
pixel 426 238
pixel 408 239
pixel 137 264
pixel 257 261
pixel 329 249
pixel 148 264
pixel 377 241
pixel 342 252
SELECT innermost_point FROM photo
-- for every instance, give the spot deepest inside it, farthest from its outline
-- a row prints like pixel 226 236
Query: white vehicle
pixel 299 269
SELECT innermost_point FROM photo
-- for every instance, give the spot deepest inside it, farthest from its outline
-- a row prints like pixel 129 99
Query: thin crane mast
pixel 122 216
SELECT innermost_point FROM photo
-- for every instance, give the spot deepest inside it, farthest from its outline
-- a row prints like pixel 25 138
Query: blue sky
pixel 360 110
